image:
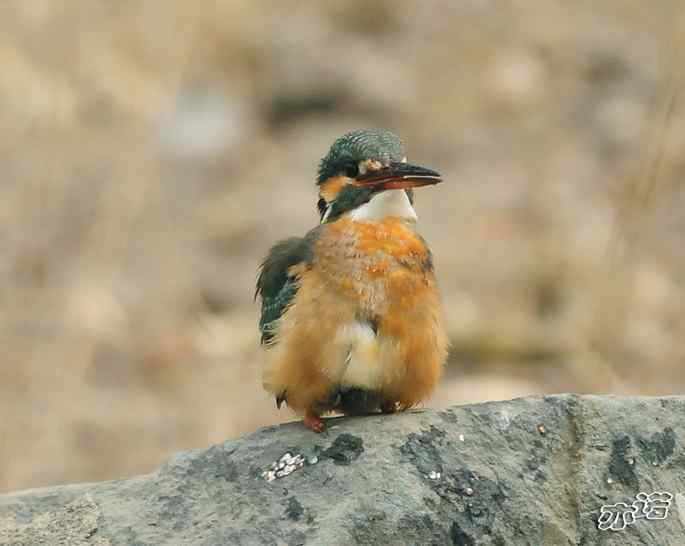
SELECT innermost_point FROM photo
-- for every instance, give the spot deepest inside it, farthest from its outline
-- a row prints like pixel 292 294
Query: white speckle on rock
pixel 269 475
pixel 433 475
pixel 285 466
pixel 461 437
pixel 610 481
pixel 469 491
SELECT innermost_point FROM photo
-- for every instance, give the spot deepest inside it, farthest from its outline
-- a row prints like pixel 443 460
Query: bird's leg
pixel 313 421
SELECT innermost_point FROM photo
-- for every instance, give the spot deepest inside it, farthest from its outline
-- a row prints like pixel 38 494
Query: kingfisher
pixel 351 318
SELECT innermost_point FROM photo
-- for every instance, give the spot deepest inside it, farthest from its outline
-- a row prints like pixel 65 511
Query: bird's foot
pixel 313 421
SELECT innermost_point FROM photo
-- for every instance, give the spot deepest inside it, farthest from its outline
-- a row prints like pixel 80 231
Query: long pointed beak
pixel 398 176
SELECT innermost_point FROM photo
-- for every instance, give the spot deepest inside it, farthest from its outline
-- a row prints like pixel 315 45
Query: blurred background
pixel 153 150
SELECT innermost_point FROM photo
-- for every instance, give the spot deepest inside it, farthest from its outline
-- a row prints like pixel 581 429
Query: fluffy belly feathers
pixel 367 315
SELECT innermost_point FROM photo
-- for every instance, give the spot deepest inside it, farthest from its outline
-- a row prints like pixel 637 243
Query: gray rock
pixel 528 471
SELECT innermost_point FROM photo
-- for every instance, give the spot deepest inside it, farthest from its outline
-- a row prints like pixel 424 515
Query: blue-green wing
pixel 278 282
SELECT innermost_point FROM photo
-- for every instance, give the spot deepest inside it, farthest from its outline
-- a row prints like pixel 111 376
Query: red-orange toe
pixel 314 422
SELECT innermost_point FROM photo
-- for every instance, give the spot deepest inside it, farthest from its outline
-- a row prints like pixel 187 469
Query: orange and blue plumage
pixel 351 316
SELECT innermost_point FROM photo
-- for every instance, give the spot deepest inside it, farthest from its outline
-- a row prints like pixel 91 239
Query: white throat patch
pixel 385 204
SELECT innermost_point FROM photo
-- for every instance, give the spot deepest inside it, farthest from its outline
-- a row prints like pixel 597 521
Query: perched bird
pixel 351 316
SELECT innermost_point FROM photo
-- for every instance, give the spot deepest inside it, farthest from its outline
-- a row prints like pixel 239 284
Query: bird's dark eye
pixel 352 170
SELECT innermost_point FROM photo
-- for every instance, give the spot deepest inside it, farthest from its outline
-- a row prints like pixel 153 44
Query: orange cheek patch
pixel 331 187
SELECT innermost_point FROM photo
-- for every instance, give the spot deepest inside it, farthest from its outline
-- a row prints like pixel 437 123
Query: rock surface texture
pixel 528 471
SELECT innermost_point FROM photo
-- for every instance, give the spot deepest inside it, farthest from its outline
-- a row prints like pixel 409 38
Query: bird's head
pixel 365 174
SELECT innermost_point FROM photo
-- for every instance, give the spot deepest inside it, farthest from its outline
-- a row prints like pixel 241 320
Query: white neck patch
pixel 385 204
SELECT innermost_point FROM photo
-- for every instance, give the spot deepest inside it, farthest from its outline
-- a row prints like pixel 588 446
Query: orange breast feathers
pixel 379 264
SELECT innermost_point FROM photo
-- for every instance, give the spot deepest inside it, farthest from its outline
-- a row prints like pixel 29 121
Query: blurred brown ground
pixel 151 151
